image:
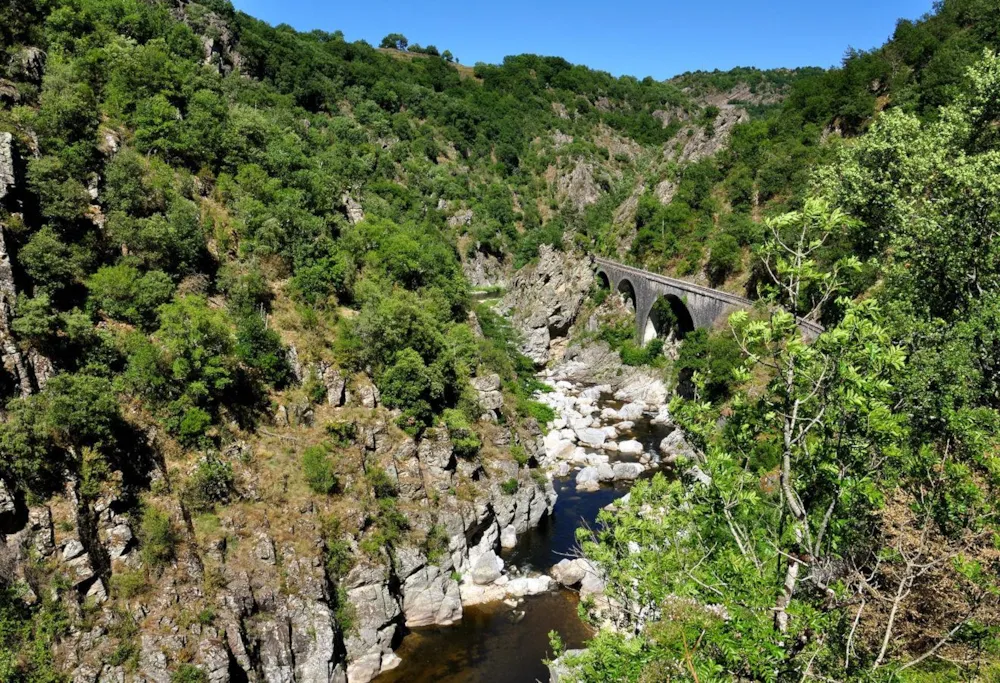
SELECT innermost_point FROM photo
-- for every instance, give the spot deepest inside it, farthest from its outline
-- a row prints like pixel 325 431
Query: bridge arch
pixel 627 289
pixel 603 281
pixel 667 313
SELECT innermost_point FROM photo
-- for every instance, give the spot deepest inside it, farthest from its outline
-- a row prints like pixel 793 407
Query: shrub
pixel 510 486
pixel 188 673
pixel 157 537
pixel 211 483
pixel 260 349
pixel 129 584
pixel 345 612
pixel 436 543
pixel 193 426
pixel 724 258
pixel 520 455
pixel 465 441
pixel 541 412
pixel 123 293
pixel 342 433
pixel 317 466
pixel 714 357
pixel 382 485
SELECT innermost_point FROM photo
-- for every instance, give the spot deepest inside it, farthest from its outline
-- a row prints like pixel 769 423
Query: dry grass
pixel 463 71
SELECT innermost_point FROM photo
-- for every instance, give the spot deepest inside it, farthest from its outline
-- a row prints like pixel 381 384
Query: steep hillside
pixel 255 425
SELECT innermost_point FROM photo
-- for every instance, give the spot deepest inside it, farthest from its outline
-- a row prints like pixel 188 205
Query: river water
pixel 495 643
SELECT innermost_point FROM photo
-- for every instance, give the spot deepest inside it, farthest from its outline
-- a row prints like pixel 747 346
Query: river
pixel 496 643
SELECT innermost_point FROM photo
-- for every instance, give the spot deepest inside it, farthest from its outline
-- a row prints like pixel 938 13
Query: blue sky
pixel 637 37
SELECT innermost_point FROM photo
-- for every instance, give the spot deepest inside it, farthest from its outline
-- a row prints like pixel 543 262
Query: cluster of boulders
pixel 583 435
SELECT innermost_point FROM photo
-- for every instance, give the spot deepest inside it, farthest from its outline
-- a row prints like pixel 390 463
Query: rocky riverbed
pixel 604 436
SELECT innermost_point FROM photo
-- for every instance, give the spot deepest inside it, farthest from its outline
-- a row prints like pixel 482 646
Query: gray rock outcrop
pixel 545 298
pixel 7 160
pixel 579 186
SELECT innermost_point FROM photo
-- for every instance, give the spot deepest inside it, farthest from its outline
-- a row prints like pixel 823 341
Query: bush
pixel 317 466
pixel 123 293
pixel 714 357
pixel 260 349
pixel 188 673
pixel 436 543
pixel 542 413
pixel 465 441
pixel 409 386
pixel 382 485
pixel 724 259
pixel 157 537
pixel 211 483
pixel 520 455
pixel 128 584
pixel 510 486
pixel 193 426
pixel 342 433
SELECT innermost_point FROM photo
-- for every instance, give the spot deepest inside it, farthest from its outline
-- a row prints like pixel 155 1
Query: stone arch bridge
pixel 693 306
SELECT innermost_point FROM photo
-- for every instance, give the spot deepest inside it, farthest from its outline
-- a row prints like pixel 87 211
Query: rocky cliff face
pixel 25 369
pixel 246 593
pixel 545 298
pixel 485 270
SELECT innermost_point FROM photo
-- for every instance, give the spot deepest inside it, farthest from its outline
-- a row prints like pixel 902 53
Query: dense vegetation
pixel 847 525
pixel 193 181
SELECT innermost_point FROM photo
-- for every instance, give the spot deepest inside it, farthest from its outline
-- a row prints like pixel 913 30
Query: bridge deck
pixel 733 299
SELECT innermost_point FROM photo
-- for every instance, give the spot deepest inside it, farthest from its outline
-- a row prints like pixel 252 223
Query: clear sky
pixel 658 38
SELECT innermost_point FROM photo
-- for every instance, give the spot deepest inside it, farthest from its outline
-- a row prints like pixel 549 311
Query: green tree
pixel 124 293
pixel 396 41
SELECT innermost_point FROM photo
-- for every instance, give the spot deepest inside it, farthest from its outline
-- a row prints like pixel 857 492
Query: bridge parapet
pixel 703 305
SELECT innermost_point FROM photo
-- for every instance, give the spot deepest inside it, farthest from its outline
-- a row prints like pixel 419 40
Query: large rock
pixel 354 212
pixel 701 141
pixel 29 64
pixel 544 299
pixel 591 436
pixel 409 477
pixel 631 411
pixel 437 460
pixel 579 186
pixel 488 389
pixel 430 597
pixel 336 386
pixel 627 471
pixel 486 270
pixel 487 569
pixel 376 611
pixel 559 670
pixel 588 479
pixel 571 572
pixel 675 446
pixel 630 447
pixel 508 537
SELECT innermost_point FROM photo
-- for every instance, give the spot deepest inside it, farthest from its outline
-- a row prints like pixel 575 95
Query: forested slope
pixel 213 231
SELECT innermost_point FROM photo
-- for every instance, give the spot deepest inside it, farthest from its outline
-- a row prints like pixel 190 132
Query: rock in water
pixel 674 446
pixel 591 436
pixel 487 569
pixel 508 537
pixel 627 471
pixel 631 447
pixel 588 479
